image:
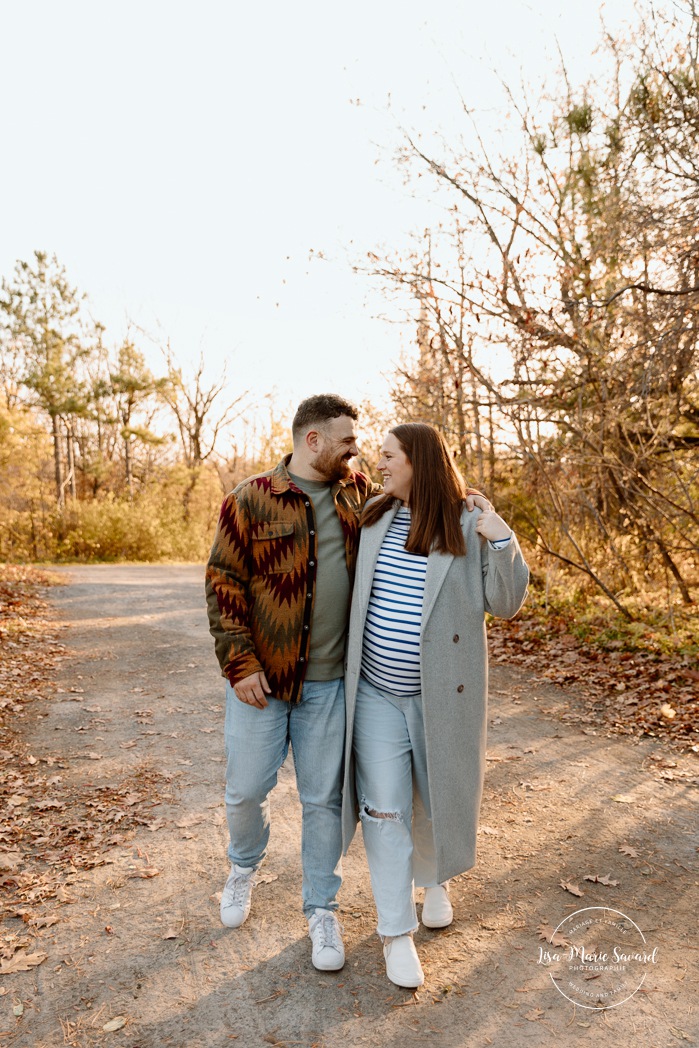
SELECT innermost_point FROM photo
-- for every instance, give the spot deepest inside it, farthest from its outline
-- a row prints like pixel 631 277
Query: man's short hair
pixel 314 411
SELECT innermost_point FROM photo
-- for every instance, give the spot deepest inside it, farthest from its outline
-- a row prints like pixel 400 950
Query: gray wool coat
pixel 454 678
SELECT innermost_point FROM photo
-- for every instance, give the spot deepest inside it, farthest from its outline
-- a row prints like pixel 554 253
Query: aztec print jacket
pixel 261 575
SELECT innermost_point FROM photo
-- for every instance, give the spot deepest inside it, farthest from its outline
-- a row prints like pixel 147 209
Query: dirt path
pixel 141 696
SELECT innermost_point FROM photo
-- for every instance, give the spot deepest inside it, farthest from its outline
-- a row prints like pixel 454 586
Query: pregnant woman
pixel 416 683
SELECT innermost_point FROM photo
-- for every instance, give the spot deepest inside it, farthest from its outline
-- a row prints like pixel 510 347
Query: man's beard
pixel 332 468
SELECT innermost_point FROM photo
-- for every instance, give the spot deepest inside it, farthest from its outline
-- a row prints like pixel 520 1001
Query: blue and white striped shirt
pixel 391 649
pixel 391 646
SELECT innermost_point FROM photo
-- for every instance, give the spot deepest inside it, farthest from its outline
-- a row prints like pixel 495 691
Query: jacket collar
pixel 281 481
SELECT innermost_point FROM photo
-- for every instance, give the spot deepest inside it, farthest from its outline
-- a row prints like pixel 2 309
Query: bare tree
pixel 586 268
pixel 193 403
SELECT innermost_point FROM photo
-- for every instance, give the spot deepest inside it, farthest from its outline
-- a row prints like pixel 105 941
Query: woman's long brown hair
pixel 436 496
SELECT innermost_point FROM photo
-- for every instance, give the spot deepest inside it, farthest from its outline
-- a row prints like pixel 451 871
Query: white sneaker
pixel 402 962
pixel 235 897
pixel 325 933
pixel 436 908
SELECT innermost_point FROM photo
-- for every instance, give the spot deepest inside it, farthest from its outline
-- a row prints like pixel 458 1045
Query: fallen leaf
pixel 266 878
pixel 534 1014
pixel 601 880
pixel 10 860
pixel 146 872
pixel 549 933
pixel 572 888
pixel 114 1024
pixel 626 849
pixel 43 922
pixel 624 798
pixel 22 962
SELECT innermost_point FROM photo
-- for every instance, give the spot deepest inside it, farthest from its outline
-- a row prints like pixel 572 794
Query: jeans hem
pixel 394 935
pixel 310 908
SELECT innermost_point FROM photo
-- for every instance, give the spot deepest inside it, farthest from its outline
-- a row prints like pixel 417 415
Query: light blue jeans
pixel 257 743
pixel 391 775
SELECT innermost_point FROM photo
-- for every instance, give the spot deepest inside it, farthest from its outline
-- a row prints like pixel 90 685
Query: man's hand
pixel 478 501
pixel 491 526
pixel 253 689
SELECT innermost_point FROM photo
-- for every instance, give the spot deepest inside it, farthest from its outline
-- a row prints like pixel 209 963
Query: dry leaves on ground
pixel 628 693
pixel 52 822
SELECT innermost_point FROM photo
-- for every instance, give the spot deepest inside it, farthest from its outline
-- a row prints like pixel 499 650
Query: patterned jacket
pixel 261 575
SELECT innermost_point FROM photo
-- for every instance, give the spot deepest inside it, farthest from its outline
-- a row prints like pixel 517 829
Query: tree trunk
pixel 674 570
pixel 480 465
pixel 57 460
pixel 491 449
pixel 70 449
pixel 127 465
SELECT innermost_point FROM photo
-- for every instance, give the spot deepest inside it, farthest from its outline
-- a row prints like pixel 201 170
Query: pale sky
pixel 183 160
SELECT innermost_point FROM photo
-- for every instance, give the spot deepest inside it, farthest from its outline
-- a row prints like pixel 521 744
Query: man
pixel 278 591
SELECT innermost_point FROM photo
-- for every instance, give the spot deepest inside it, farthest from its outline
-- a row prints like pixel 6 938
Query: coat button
pixel 456 638
pixel 460 688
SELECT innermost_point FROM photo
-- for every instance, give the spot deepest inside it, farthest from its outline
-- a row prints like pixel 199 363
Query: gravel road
pixel 139 693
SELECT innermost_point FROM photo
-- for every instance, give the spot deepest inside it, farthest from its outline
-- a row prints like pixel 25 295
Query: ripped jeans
pixel 391 774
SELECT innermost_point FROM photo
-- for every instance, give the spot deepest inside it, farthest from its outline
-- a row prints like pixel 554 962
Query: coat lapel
pixel 438 565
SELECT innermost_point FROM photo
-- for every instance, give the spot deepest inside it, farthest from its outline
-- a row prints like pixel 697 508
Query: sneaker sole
pixel 238 924
pixel 436 924
pixel 404 985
